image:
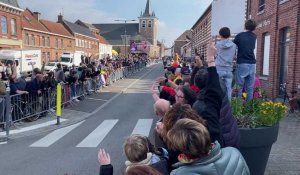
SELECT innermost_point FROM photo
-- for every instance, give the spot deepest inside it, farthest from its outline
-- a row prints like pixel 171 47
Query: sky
pixel 175 16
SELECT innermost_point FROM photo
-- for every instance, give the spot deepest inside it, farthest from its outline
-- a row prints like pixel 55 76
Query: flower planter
pixel 256 145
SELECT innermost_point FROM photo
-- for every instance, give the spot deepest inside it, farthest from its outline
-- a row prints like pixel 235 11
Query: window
pixel 283 1
pixel 13 26
pixel 86 44
pixel 48 41
pixel 38 41
pixel 62 43
pixel 32 40
pixel 143 24
pixel 43 41
pixel 26 42
pixel 266 54
pixel 4 24
pixel 56 42
pixel 261 5
pixel 149 24
pixel 90 46
pixel 44 56
pixel 48 56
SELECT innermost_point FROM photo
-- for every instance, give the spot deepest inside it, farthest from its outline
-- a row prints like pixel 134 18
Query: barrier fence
pixel 31 106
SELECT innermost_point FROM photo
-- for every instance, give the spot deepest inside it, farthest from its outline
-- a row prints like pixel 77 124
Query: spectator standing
pixel 224 61
pixel 246 62
pixel 59 74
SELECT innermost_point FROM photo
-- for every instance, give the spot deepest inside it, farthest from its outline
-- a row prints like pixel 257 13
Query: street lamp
pixel 125 37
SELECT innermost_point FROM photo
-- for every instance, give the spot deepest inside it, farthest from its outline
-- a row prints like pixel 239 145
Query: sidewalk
pixel 285 155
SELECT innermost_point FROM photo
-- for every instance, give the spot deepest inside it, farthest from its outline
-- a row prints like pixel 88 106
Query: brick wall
pixel 51 50
pixel 201 33
pixel 271 20
pixel 11 14
pixel 90 47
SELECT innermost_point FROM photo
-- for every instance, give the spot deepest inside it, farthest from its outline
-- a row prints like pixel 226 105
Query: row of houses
pixel 24 29
pixel 278 42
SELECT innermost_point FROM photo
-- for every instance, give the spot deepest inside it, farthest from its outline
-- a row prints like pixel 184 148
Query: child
pixel 224 62
pixel 139 151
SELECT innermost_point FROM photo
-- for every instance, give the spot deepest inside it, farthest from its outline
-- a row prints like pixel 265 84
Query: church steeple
pixel 148 10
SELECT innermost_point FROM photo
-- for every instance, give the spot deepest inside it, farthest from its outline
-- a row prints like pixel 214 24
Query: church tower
pixel 148 24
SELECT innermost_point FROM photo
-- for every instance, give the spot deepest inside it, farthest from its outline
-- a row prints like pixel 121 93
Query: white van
pixel 26 60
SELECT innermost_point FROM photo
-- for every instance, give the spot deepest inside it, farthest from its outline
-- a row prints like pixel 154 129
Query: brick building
pixel 105 48
pixel 35 35
pixel 86 42
pixel 278 43
pixel 52 38
pixel 201 32
pixel 122 35
pixel 10 28
pixel 181 41
pixel 61 40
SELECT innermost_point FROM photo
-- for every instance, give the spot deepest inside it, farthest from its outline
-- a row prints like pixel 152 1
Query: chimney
pixel 37 15
pixel 60 18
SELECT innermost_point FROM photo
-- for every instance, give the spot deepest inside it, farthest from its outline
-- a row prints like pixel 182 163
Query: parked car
pixel 51 66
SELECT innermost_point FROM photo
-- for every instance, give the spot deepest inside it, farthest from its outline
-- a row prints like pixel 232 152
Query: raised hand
pixel 103 157
pixel 211 52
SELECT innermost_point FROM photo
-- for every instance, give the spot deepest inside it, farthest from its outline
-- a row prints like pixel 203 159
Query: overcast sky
pixel 175 16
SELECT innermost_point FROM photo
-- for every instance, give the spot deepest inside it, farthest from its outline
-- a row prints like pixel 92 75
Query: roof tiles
pixel 56 28
pixel 29 21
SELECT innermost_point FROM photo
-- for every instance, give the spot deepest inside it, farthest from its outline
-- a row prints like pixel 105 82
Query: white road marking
pixel 3 143
pixel 97 99
pixel 143 127
pixel 96 137
pixel 55 136
pixel 17 131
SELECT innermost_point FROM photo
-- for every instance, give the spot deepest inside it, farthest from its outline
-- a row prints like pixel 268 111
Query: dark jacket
pixel 228 124
pixel 106 170
pixel 210 109
pixel 245 42
pixel 33 86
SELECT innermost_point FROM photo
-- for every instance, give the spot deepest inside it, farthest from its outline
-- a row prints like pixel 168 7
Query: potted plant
pixel 258 123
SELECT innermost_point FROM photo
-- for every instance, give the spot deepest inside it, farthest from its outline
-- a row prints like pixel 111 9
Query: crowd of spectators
pixel 89 77
pixel 196 132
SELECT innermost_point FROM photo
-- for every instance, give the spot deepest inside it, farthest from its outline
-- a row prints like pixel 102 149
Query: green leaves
pixel 257 112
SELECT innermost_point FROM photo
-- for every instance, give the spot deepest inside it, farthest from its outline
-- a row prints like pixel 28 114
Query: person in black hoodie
pixel 228 124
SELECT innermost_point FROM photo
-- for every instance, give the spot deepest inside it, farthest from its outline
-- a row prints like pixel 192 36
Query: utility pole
pixel 125 37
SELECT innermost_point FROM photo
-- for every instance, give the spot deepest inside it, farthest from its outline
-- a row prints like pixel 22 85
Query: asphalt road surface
pixel 73 150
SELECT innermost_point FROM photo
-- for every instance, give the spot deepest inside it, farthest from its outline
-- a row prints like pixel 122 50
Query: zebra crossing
pixel 93 139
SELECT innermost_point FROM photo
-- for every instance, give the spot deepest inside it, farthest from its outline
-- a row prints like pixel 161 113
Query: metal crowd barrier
pixel 31 106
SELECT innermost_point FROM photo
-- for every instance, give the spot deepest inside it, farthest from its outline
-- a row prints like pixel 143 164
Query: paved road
pixel 73 150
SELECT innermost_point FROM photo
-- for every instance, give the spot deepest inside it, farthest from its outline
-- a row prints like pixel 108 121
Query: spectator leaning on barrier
pixel 15 86
pixel 2 87
pixel 246 62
